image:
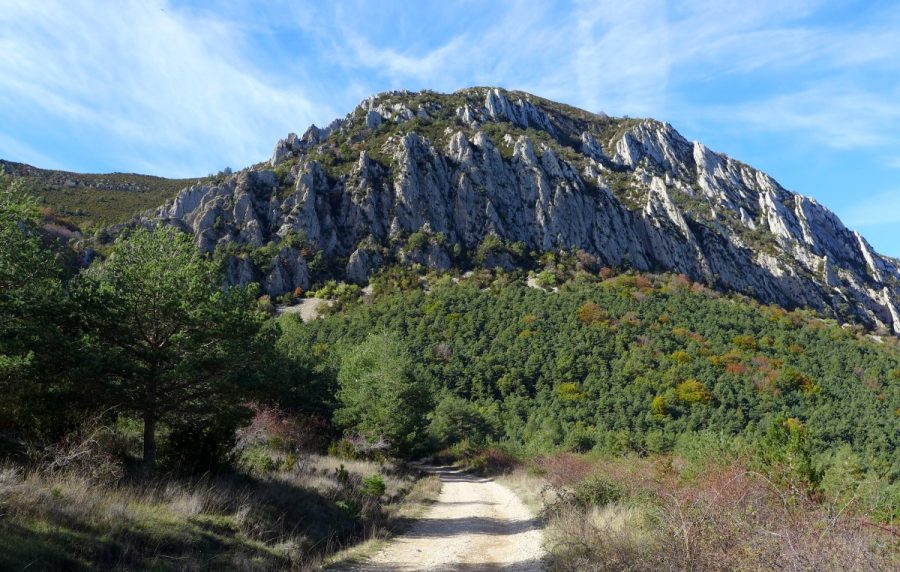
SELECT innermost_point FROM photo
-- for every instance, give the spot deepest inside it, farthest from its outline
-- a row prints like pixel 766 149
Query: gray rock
pixel 644 196
pixel 284 147
pixel 287 271
pixel 362 264
pixel 373 119
pixel 239 271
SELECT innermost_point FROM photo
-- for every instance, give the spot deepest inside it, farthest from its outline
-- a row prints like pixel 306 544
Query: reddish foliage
pixel 493 462
pixel 736 368
pixel 565 469
pixel 586 260
pixel 591 313
pixel 273 426
pixel 682 281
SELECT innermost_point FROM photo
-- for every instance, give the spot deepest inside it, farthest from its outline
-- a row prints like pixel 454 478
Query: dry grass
pixel 281 520
pixel 725 517
pixel 401 516
pixel 530 487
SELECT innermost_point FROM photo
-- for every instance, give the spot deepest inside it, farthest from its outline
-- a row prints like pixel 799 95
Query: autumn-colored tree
pixel 591 313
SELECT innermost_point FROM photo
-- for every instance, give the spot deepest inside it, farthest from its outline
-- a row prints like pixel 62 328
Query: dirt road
pixel 476 524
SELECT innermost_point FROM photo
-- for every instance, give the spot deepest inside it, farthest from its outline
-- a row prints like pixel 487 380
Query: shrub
pixel 591 313
pixel 580 440
pixel 564 470
pixel 274 427
pixel 547 279
pixel 258 460
pixel 658 406
pixel 680 356
pixel 493 461
pixel 744 342
pixel 455 419
pixel 792 379
pixel 569 391
pixel 597 491
pixel 373 486
pixel 342 449
pixel 490 245
pixel 202 445
pixel 416 241
pixel 91 454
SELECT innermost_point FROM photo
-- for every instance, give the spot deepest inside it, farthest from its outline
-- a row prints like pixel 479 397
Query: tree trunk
pixel 149 441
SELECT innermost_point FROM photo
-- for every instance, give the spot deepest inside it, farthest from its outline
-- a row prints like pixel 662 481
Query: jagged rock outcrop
pixel 287 270
pixel 424 178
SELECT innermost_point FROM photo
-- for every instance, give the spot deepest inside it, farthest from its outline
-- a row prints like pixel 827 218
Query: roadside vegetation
pixel 150 419
pixel 276 508
pixel 708 505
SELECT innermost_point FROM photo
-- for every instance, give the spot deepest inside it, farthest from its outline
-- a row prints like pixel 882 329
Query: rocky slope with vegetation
pixel 486 177
pixel 95 201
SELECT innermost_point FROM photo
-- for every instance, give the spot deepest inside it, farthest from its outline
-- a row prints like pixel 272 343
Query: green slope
pixel 631 362
pixel 96 200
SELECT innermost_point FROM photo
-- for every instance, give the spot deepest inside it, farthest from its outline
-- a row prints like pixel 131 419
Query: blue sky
pixel 807 91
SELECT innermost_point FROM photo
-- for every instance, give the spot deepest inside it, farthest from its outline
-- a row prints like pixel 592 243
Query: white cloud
pixel 177 89
pixel 642 58
pixel 167 83
pixel 622 56
pixel 400 65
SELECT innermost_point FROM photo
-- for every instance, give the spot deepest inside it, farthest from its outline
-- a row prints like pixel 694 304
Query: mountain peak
pixel 426 178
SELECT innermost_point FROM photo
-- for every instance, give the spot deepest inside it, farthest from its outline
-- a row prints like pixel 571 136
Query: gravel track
pixel 476 524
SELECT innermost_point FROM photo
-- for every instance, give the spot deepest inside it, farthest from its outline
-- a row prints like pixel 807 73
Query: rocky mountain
pixel 483 175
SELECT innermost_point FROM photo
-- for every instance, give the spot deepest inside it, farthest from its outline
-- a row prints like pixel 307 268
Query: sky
pixel 807 91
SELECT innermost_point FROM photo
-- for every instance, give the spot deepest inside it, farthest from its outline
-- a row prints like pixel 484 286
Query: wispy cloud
pixel 834 115
pixel 166 84
pixel 880 209
pixel 399 65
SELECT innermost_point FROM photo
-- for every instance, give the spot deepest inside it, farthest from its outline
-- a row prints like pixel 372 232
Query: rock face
pixel 424 178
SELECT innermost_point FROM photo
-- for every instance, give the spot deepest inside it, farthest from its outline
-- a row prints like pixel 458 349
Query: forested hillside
pixel 626 362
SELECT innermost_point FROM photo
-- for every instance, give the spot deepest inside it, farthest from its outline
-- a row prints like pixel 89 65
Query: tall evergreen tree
pixel 171 345
pixel 379 396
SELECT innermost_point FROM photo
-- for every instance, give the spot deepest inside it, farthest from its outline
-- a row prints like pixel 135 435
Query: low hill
pixel 96 200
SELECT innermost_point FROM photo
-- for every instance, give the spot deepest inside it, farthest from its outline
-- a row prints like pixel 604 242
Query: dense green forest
pixel 625 362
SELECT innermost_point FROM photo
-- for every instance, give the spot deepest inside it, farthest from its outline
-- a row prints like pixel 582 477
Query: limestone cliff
pixel 425 178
